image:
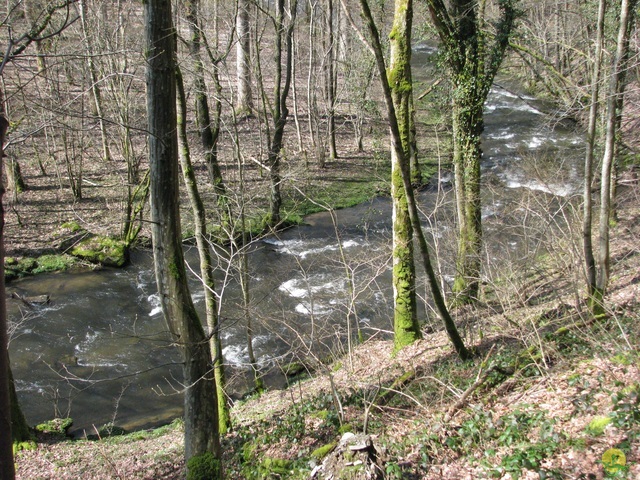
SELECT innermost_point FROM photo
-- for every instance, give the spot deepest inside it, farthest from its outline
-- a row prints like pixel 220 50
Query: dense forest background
pixel 278 109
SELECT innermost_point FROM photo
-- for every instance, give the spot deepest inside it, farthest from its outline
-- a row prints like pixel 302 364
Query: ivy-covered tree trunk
pixel 406 328
pixel 200 403
pixel 468 125
pixel 473 62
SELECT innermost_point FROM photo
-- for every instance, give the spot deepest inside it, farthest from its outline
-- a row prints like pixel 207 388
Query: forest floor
pixel 552 393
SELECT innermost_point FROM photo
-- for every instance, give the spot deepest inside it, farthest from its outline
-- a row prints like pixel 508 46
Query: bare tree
pixel 201 416
pixel 244 100
pixel 7 469
pixel 396 141
pixel 284 22
pixel 614 102
pixel 204 253
pixel 590 264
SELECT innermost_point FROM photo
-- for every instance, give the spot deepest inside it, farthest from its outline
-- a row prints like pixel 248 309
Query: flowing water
pixel 99 351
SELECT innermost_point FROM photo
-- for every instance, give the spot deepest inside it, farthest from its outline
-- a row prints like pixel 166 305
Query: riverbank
pixel 552 392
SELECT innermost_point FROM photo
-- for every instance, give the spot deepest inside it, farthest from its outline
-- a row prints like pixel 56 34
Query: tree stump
pixel 354 458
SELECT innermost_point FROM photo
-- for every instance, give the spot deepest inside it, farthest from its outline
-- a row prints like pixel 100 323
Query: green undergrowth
pixel 525 436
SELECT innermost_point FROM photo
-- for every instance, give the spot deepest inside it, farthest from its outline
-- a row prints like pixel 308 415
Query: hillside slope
pixel 550 393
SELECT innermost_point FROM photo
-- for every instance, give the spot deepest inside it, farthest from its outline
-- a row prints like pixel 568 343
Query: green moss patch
pixel 203 467
pixel 597 425
pixel 321 452
pixel 18 268
pixel 102 250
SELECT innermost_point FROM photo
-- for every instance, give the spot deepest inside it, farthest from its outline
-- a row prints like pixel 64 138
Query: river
pixel 99 351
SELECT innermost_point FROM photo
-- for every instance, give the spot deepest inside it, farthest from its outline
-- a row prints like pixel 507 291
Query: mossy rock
pixel 104 251
pixel 56 426
pixel 111 430
pixel 294 369
pixel 53 263
pixel 73 227
pixel 23 446
pixel 18 268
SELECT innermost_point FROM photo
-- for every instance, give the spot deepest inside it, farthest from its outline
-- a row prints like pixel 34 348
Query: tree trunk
pixel 331 79
pixel 414 161
pixel 244 101
pixel 200 403
pixel 209 128
pixel 616 89
pixel 587 220
pixel 15 180
pixel 7 468
pixel 473 65
pixel 19 428
pixel 206 264
pixel 93 73
pixel 280 111
pixel 406 328
pixel 468 125
pixel 396 140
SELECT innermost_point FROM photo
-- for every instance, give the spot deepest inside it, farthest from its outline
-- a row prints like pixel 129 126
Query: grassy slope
pixel 556 390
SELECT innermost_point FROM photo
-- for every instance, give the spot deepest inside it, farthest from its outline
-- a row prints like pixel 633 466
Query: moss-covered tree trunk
pixel 206 264
pixel 406 327
pixel 396 142
pixel 200 403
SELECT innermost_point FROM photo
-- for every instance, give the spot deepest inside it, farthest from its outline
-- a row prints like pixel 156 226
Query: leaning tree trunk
pixel 206 264
pixel 406 328
pixel 200 404
pixel 396 141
